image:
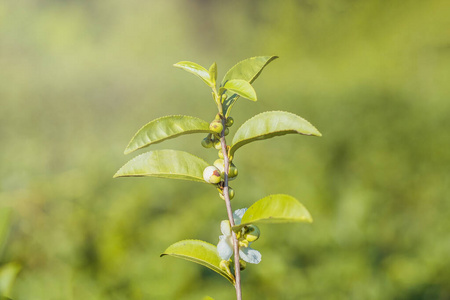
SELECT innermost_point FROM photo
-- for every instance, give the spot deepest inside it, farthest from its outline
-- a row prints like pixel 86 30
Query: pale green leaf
pixel 166 128
pixel 242 88
pixel 270 124
pixel 208 298
pixel 199 252
pixel 213 73
pixel 196 69
pixel 275 209
pixel 166 164
pixel 8 274
pixel 248 70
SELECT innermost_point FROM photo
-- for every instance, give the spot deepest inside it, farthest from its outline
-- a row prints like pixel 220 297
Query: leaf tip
pixel 127 150
pixel 117 174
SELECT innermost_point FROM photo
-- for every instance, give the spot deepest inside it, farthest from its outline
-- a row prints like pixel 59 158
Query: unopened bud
pixel 230 122
pixel 230 193
pixel 216 126
pixel 217 144
pixel 206 142
pixel 233 171
pixel 211 175
pixel 219 164
pixel 251 233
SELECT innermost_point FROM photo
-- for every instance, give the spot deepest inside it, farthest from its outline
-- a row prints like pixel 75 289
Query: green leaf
pixel 8 274
pixel 208 298
pixel 242 88
pixel 213 73
pixel 248 70
pixel 199 252
pixel 270 124
pixel 166 164
pixel 196 69
pixel 166 128
pixel 275 209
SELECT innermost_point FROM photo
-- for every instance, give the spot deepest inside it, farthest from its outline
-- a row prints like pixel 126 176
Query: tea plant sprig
pixel 239 231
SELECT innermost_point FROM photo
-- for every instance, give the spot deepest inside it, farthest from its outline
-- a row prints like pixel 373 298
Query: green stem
pixel 237 268
pixel 218 100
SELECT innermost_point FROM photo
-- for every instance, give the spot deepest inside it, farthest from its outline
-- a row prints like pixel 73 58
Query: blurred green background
pixel 79 78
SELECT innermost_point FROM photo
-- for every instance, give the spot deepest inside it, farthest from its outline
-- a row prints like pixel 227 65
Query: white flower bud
pixel 211 175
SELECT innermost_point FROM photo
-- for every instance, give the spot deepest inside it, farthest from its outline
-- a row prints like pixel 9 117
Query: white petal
pixel 250 255
pixel 224 249
pixel 225 227
pixel 238 214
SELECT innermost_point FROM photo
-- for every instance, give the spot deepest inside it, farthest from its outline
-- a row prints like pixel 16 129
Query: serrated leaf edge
pixel 200 179
pixel 221 272
pixel 297 220
pixel 173 136
pixel 272 58
pixel 232 150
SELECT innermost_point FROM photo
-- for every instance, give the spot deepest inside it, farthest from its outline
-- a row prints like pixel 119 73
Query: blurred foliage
pixel 80 77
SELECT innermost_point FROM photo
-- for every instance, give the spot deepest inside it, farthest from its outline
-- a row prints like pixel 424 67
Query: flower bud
pixel 251 233
pixel 227 131
pixel 219 164
pixel 206 142
pixel 230 193
pixel 216 126
pixel 220 153
pixel 217 144
pixel 230 122
pixel 233 172
pixel 212 175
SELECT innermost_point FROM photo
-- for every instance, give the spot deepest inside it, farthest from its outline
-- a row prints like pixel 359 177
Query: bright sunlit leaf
pixel 278 208
pixel 213 72
pixel 242 88
pixel 165 128
pixel 248 70
pixel 166 164
pixel 199 252
pixel 196 69
pixel 270 124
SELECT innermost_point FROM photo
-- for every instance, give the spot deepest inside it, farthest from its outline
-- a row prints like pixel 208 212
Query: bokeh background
pixel 79 78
